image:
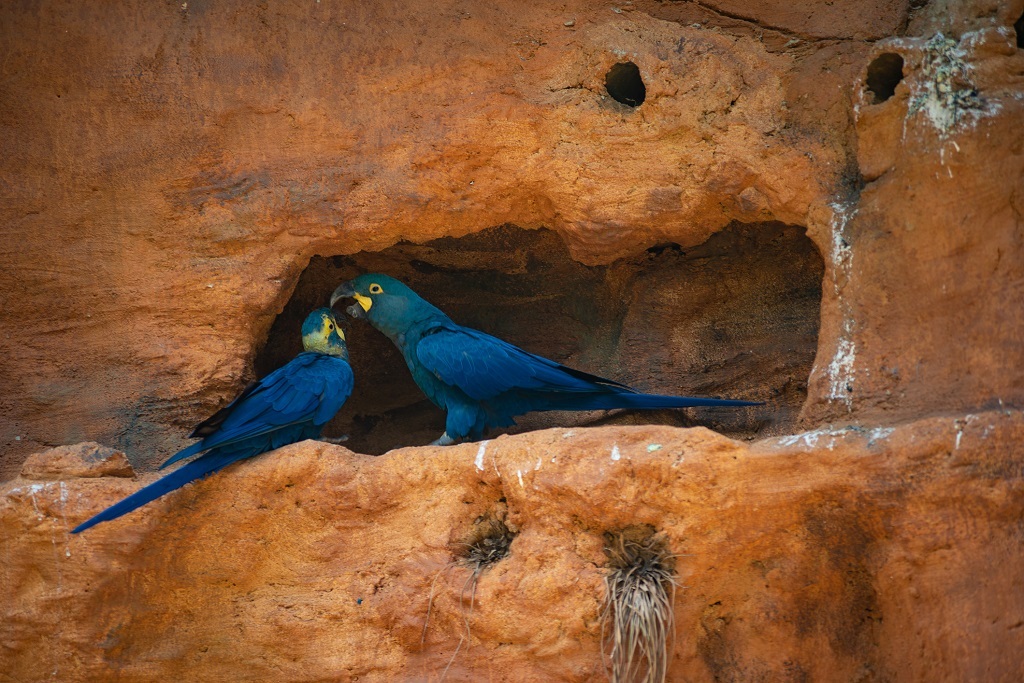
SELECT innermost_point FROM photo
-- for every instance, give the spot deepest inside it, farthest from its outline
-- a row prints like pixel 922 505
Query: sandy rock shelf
pixel 837 554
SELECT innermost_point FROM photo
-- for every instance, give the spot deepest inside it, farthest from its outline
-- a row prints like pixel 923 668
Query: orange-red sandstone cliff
pixel 175 176
pixel 884 554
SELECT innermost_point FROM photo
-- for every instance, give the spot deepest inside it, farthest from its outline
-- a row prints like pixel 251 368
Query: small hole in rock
pixel 884 73
pixel 659 249
pixel 734 317
pixel 1018 26
pixel 625 85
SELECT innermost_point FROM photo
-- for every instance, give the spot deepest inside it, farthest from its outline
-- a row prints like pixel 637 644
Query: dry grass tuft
pixel 487 543
pixel 637 623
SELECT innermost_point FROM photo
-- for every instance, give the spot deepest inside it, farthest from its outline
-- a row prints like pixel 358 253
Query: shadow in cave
pixel 736 317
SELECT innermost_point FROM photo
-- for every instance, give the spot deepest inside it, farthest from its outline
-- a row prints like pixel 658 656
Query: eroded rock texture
pixel 170 169
pixel 818 204
pixel 921 301
pixel 869 554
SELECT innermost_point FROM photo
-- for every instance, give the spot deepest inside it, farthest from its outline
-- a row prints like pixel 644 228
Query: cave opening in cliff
pixel 735 317
pixel 884 73
pixel 1018 26
pixel 624 83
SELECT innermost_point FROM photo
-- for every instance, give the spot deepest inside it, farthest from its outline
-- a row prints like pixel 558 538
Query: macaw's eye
pixel 330 327
pixel 376 289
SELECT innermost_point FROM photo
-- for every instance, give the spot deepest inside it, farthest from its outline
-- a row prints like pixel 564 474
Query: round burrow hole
pixel 625 85
pixel 884 73
pixel 735 317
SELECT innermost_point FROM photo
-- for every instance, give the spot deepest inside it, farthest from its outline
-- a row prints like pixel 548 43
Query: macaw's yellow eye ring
pixel 376 289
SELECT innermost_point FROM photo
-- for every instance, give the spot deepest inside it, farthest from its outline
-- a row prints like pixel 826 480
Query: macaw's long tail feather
pixel 650 401
pixel 611 400
pixel 207 464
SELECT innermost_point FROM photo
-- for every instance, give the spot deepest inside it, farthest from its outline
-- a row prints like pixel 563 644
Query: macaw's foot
pixel 336 440
pixel 445 440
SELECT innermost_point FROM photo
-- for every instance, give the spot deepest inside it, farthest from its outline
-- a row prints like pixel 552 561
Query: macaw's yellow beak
pixel 364 301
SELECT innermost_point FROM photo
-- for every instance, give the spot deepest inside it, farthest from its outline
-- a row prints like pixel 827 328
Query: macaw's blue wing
pixel 309 389
pixel 485 367
pixel 501 381
pixel 211 424
pixel 290 404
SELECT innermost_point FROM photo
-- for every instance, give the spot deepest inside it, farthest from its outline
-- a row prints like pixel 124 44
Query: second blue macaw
pixel 480 380
pixel 290 404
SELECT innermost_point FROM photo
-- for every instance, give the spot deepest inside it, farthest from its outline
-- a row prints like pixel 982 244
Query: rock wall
pixel 180 179
pixel 170 169
pixel 920 309
pixel 888 554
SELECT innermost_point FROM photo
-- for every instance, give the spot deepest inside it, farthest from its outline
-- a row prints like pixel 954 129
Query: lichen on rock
pixel 943 91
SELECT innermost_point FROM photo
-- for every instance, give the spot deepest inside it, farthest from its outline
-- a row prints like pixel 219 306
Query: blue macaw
pixel 480 380
pixel 290 404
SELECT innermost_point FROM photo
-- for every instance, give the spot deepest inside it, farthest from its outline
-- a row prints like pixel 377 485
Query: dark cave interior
pixel 735 317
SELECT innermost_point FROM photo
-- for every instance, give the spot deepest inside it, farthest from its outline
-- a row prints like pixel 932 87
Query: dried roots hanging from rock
pixel 637 623
pixel 487 543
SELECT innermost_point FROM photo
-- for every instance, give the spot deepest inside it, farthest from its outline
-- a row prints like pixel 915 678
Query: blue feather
pixel 290 404
pixel 483 381
pixel 209 463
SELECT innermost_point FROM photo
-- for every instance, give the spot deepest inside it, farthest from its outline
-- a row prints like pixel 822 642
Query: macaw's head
pixel 384 302
pixel 321 333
